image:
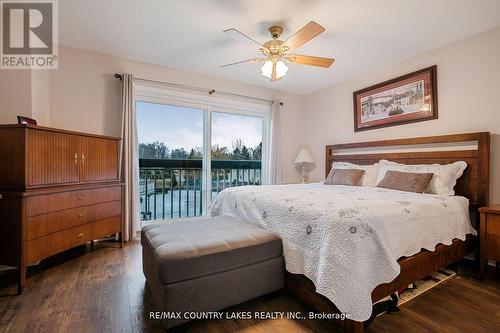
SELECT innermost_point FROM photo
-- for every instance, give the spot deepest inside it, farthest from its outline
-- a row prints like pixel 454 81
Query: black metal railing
pixel 171 188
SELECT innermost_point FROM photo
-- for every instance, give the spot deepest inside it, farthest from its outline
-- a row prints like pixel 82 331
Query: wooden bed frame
pixel 474 185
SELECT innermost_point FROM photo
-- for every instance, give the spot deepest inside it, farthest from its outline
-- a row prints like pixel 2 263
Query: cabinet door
pixel 52 158
pixel 98 159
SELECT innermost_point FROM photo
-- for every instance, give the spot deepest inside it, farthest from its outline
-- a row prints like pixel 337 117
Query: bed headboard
pixel 473 148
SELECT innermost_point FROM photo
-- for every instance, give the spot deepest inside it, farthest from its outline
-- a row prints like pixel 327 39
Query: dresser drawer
pixel 493 247
pixel 48 203
pixel 493 236
pixel 493 224
pixel 45 224
pixel 43 247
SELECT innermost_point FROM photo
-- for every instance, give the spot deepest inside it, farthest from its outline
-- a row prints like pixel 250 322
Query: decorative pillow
pixel 350 177
pixel 443 182
pixel 371 171
pixel 406 181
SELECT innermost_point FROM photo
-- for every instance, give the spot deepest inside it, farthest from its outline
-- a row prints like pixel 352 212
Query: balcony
pixel 172 188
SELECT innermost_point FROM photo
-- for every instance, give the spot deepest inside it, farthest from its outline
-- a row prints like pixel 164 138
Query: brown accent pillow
pixel 406 181
pixel 350 177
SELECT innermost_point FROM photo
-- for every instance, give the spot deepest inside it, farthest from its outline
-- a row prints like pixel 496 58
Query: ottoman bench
pixel 208 264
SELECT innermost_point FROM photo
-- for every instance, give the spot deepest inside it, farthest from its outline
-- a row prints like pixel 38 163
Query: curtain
pixel 129 159
pixel 275 145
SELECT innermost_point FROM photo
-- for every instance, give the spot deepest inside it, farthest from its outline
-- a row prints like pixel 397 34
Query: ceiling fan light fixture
pixel 267 69
pixel 281 69
pixel 275 52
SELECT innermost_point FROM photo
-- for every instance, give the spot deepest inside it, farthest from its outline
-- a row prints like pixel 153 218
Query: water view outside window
pixel 171 149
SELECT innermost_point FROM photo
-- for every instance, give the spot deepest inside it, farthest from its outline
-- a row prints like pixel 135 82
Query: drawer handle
pixel 80 215
pixel 79 235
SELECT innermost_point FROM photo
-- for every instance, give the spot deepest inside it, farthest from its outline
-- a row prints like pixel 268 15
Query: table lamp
pixel 303 160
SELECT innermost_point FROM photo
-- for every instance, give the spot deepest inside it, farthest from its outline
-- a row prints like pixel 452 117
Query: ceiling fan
pixel 276 52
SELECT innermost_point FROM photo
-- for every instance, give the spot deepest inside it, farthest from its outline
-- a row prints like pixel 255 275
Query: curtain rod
pixel 210 92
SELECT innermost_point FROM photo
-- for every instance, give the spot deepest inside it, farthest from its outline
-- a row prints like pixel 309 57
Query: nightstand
pixel 490 236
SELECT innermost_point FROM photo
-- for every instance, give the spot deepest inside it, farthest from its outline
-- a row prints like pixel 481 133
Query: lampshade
pixel 304 157
pixel 267 69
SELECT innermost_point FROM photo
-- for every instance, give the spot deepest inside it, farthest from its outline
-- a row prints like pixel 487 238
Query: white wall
pixel 468 90
pixel 84 96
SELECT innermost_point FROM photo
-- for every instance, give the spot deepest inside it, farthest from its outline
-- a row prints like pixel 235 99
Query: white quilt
pixel 347 239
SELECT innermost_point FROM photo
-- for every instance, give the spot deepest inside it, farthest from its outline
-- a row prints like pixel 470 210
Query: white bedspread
pixel 347 239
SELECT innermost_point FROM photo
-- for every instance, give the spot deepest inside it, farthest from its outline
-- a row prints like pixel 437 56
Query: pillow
pixel 443 182
pixel 371 171
pixel 350 177
pixel 406 181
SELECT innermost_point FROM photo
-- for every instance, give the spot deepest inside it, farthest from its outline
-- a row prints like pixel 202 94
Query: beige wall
pixel 40 96
pixel 24 92
pixel 291 134
pixel 468 92
pixel 15 95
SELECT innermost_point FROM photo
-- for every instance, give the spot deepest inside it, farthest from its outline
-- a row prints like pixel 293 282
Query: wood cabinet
pixel 58 189
pixel 50 158
pixel 98 159
pixel 47 157
pixel 489 236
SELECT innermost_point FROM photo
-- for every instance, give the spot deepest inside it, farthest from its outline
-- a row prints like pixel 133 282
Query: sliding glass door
pixel 236 154
pixel 188 153
pixel 170 160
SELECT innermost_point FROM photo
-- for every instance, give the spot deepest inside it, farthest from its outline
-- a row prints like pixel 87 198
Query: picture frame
pixel 405 99
pixel 22 120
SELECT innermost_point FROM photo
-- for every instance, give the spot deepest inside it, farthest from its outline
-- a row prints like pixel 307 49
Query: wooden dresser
pixel 58 189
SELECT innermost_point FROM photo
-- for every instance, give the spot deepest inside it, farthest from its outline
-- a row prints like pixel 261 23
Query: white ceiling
pixel 187 34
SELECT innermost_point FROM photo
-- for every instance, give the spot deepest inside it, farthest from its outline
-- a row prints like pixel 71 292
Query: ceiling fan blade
pixel 310 60
pixel 308 32
pixel 242 62
pixel 241 37
pixel 273 74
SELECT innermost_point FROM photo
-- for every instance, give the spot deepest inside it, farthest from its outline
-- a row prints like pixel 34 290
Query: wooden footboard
pixel 413 268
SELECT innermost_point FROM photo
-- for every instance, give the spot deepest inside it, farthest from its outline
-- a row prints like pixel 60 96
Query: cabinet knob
pixel 79 197
pixel 80 215
pixel 76 158
pixel 80 235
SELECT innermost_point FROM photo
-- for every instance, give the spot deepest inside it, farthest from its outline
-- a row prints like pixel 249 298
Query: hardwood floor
pixel 102 289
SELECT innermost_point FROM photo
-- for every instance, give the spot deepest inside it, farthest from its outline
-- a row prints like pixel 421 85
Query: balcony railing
pixel 171 188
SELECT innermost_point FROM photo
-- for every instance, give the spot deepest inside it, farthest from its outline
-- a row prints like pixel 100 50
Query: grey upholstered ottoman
pixel 209 264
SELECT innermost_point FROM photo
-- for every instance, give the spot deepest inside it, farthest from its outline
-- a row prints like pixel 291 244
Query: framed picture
pixel 405 99
pixel 26 120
